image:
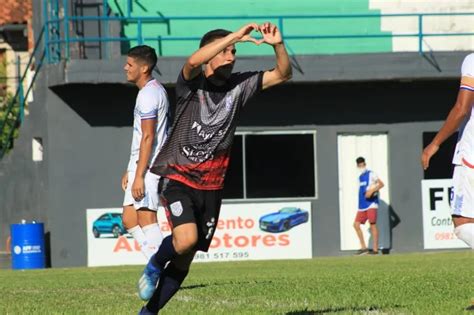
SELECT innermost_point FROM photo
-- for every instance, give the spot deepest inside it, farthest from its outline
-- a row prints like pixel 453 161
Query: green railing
pixel 58 39
pixel 14 111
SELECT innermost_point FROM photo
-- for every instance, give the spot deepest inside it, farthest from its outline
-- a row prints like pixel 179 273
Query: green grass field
pixel 429 283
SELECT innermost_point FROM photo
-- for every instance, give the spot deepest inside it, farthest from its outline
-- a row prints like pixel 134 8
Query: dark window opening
pixel 234 182
pixel 279 166
pixel 441 163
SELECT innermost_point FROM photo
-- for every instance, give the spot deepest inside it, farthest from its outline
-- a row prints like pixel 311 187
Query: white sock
pixel 153 236
pixel 465 232
pixel 139 235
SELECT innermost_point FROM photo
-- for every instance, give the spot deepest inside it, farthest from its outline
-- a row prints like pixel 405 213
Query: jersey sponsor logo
pixel 176 208
pixel 203 134
pixel 197 154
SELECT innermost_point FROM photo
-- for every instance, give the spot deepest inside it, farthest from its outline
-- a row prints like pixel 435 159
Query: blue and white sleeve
pixel 147 107
pixel 467 73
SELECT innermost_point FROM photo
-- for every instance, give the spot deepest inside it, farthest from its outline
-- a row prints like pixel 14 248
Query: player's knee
pixel 356 225
pixel 146 218
pixel 465 232
pixel 129 221
pixel 184 244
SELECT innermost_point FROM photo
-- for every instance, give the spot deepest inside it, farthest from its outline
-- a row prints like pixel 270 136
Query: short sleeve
pixel 467 72
pixel 373 177
pixel 184 87
pixel 163 105
pixel 147 106
pixel 250 84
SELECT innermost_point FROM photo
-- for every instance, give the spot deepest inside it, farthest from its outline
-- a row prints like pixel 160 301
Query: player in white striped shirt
pixel 149 132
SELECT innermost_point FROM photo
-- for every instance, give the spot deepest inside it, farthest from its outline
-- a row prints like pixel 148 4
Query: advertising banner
pixel 438 229
pixel 250 231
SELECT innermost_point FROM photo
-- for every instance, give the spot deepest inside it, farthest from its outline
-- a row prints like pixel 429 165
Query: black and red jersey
pixel 197 150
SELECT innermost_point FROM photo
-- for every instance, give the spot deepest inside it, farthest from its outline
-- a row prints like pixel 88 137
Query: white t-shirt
pixel 464 152
pixel 151 103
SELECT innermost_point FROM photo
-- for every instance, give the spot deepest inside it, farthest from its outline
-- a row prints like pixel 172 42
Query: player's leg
pixel 464 229
pixel 130 218
pixel 462 204
pixel 361 218
pixel 149 225
pixel 146 217
pixel 147 208
pixel 208 204
pixel 375 237
pixel 179 243
pixel 130 222
pixel 180 209
pixel 170 282
pixel 372 217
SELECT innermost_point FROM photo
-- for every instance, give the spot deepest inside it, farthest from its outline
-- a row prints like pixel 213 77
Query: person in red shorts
pixel 369 186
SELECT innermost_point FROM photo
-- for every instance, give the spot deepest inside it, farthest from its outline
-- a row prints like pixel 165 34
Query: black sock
pixel 169 284
pixel 165 253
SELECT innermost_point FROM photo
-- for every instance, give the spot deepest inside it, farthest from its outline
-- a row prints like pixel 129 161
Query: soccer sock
pixel 140 237
pixel 165 253
pixel 153 236
pixel 169 284
pixel 465 232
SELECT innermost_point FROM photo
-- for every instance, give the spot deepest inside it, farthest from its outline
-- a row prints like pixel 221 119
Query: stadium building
pixel 370 77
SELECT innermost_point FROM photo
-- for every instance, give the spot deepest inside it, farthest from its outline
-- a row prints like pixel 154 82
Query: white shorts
pixel 151 199
pixel 462 195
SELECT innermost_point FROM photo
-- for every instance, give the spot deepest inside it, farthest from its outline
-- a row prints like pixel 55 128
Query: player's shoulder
pixel 238 78
pixel 469 58
pixel 467 67
pixel 154 87
pixel 242 76
pixel 152 90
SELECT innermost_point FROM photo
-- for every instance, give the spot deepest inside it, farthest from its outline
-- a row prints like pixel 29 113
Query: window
pixel 272 164
pixel 234 183
pixel 37 149
pixel 441 163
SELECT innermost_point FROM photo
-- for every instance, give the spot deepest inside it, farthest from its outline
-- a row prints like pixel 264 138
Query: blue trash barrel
pixel 27 245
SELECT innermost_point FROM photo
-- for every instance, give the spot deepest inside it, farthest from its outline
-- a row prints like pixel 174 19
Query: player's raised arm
pixel 192 67
pixel 282 71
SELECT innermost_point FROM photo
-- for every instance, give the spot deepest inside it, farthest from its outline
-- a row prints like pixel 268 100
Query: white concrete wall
pixel 435 24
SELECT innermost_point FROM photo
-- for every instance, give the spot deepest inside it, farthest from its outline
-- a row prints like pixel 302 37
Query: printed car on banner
pixel 241 234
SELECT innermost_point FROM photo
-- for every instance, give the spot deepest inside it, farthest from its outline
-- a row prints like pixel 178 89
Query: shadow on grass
pixel 340 309
pixel 215 284
pixel 194 286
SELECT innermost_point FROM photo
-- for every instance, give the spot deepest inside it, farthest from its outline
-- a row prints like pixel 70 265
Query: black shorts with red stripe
pixel 184 204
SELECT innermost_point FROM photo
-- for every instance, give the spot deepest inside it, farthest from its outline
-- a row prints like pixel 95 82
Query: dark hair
pixel 213 35
pixel 360 159
pixel 145 54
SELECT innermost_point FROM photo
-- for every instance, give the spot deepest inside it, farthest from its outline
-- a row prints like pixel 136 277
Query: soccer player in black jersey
pixel 194 159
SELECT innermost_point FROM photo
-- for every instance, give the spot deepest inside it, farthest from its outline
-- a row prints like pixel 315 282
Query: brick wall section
pixel 18 12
